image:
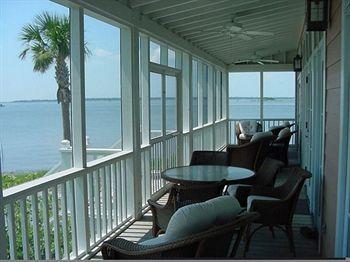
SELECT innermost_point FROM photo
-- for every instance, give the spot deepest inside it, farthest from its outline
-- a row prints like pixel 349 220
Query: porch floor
pixel 262 244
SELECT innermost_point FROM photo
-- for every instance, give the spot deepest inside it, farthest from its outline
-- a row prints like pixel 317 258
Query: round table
pixel 207 174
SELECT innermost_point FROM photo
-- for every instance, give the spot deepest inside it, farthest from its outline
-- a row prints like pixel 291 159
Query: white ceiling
pixel 188 18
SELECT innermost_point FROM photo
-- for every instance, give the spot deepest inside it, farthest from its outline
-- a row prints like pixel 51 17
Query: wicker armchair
pixel 180 196
pixel 279 148
pixel 276 206
pixel 238 132
pixel 249 155
pixel 264 177
pixel 209 158
pixel 212 243
pixel 275 130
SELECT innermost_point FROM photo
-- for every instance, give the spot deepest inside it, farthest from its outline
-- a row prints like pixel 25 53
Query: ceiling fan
pixel 234 29
pixel 256 59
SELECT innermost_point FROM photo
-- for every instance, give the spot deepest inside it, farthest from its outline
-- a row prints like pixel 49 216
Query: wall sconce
pixel 316 15
pixel 297 63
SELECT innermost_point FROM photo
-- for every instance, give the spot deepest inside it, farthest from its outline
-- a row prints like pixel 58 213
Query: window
pixel 194 93
pixel 156 113
pixel 205 94
pixel 244 95
pixel 171 58
pixel 154 50
pixel 170 104
pixel 35 130
pixel 102 86
pixel 218 94
pixel 279 95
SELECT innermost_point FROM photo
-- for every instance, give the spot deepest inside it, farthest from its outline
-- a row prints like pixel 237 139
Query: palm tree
pixel 48 40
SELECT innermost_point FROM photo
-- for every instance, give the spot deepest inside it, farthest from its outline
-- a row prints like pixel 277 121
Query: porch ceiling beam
pixel 139 3
pixel 245 10
pixel 188 6
pixel 165 6
pixel 258 68
pixel 254 25
pixel 124 15
pixel 206 9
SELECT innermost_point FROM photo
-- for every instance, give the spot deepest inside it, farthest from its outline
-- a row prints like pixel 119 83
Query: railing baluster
pixel 104 206
pixel 98 202
pixel 114 189
pixel 120 193
pixel 73 220
pixel 64 221
pixel 35 219
pixel 11 223
pixel 109 198
pixel 24 228
pixel 56 222
pixel 125 196
pixel 91 208
pixel 46 225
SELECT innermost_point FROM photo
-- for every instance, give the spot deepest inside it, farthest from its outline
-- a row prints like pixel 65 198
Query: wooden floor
pixel 263 246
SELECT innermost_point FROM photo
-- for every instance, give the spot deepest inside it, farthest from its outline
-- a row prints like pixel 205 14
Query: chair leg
pixel 272 231
pixel 289 231
pixel 247 239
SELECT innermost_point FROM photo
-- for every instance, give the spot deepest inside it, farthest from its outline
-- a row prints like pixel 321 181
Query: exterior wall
pixel 332 125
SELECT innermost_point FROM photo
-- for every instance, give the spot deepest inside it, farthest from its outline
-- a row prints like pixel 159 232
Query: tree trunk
pixel 63 95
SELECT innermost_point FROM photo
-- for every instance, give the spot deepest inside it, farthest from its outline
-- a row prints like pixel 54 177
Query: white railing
pixel 67 214
pixel 266 124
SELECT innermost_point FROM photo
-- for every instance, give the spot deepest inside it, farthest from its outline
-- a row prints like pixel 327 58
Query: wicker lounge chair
pixel 209 158
pixel 244 138
pixel 276 206
pixel 252 154
pixel 276 129
pixel 212 243
pixel 264 177
pixel 180 196
pixel 279 147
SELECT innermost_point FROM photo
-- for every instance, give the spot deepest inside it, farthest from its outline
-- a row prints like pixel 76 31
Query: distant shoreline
pixel 112 99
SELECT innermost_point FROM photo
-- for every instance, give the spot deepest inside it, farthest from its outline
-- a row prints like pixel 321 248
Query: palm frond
pixel 42 61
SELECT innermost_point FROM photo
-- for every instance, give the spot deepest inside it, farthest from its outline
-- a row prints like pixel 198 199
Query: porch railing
pixel 266 124
pixel 67 214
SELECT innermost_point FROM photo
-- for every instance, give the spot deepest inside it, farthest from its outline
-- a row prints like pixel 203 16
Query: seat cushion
pixel 199 217
pixel 254 197
pixel 286 123
pixel 283 133
pixel 248 127
pixel 232 189
pixel 261 135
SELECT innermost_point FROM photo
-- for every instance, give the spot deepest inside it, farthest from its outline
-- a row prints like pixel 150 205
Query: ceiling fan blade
pixel 259 62
pixel 269 61
pixel 244 37
pixel 243 61
pixel 259 33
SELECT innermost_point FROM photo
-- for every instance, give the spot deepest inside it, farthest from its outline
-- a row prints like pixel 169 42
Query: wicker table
pixel 206 174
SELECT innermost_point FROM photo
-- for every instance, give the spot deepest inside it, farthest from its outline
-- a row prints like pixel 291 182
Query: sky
pixel 102 68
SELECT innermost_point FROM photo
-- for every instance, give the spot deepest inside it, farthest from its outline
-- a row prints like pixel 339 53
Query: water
pixel 31 131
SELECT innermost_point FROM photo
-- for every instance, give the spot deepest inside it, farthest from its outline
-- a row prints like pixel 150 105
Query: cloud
pixel 100 52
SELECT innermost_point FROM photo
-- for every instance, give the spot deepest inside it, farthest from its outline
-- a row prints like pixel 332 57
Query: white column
pixel 78 126
pixel 3 243
pixel 342 235
pixel 211 97
pixel 179 107
pixel 262 98
pixel 200 93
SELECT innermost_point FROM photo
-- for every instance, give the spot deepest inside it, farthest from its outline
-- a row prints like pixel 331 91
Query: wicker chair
pixel 238 132
pixel 212 243
pixel 276 206
pixel 249 155
pixel 275 130
pixel 264 177
pixel 209 158
pixel 279 148
pixel 180 196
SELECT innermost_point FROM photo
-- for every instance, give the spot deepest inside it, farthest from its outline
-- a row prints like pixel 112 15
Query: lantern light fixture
pixel 316 15
pixel 297 63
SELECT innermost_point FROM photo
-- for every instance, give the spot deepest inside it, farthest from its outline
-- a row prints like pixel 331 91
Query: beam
pixel 139 3
pixel 163 6
pixel 258 68
pixel 124 15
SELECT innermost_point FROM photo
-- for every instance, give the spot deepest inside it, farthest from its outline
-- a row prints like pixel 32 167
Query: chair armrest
pixel 120 248
pixel 242 194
